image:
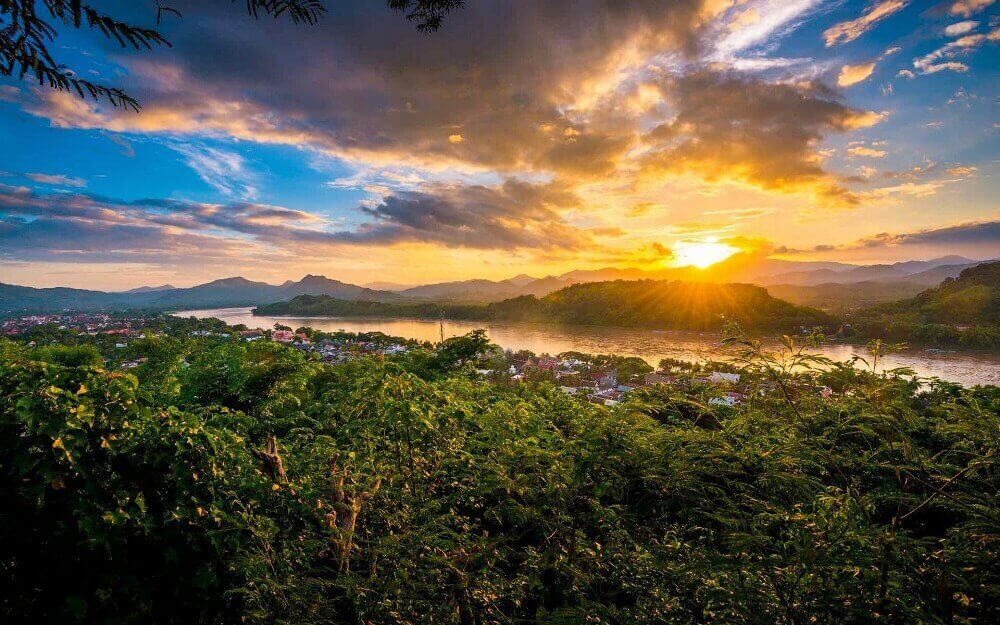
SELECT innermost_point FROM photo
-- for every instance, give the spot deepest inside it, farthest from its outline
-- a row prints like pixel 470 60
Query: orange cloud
pixel 853 74
pixel 861 150
pixel 967 8
pixel 845 32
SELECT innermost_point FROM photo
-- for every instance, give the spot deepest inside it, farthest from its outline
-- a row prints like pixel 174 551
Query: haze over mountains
pixel 807 282
pixel 823 284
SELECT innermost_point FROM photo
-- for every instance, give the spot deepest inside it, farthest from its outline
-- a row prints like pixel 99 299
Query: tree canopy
pixel 233 482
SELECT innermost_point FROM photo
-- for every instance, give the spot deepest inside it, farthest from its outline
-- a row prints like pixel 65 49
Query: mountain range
pixel 822 284
pixel 810 283
pixel 216 294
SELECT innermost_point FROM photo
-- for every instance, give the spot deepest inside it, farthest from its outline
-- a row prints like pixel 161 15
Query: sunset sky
pixel 524 137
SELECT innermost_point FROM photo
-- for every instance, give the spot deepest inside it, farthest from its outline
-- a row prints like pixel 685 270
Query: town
pixel 600 379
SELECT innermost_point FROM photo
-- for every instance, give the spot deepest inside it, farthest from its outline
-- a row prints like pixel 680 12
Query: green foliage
pixel 258 486
pixel 931 318
pixel 643 303
pixel 69 356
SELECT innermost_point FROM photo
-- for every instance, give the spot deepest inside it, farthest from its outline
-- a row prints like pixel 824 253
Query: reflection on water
pixel 651 345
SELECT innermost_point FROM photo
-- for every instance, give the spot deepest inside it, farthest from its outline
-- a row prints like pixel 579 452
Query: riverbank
pixel 968 368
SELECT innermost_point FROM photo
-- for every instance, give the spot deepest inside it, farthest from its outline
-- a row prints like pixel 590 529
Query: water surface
pixel 967 368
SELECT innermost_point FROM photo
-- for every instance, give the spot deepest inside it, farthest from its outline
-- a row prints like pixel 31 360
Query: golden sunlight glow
pixel 701 254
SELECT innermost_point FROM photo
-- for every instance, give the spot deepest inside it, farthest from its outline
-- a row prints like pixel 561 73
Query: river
pixel 967 368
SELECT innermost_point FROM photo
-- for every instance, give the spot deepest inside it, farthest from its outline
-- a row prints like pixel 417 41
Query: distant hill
pixel 746 267
pixel 382 285
pixel 838 298
pixel 960 311
pixel 806 283
pixel 971 298
pixel 151 289
pixel 645 303
pixel 215 294
pixel 15 298
pixel 929 272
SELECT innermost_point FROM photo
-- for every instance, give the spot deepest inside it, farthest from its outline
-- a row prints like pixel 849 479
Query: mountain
pixel 387 286
pixel 973 298
pixel 628 303
pixel 151 289
pixel 15 298
pixel 789 278
pixel 837 298
pixel 216 294
pixel 485 291
pixel 927 272
pixel 521 280
pixel 960 311
pixel 744 267
pixel 464 291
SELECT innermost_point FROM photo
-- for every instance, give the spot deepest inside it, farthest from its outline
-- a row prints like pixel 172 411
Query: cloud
pixel 962 171
pixel 224 171
pixel 950 66
pixel 57 180
pixel 938 61
pixel 984 234
pixel 960 28
pixel 376 107
pixel 977 239
pixel 513 216
pixel 729 128
pixel 967 8
pixel 552 97
pixel 743 213
pixel 845 32
pixel 853 74
pixel 865 151
pixel 745 24
pixel 79 228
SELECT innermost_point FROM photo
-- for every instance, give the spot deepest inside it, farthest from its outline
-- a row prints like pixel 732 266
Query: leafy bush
pixel 258 486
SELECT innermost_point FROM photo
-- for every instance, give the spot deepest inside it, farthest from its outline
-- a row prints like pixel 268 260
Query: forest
pixel 224 481
pixel 961 312
pixel 641 303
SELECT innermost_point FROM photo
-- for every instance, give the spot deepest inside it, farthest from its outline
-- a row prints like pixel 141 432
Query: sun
pixel 701 254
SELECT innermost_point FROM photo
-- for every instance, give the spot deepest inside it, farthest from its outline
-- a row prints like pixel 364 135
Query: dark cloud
pixel 980 239
pixel 363 83
pixel 512 87
pixel 514 216
pixel 983 233
pixel 732 127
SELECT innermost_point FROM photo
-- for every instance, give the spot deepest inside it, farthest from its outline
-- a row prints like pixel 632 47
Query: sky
pixel 523 137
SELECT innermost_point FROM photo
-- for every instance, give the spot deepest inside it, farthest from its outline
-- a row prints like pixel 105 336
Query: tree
pixel 29 27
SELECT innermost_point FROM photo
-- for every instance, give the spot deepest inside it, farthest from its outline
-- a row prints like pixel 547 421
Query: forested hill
pixel 962 311
pixel 971 298
pixel 645 303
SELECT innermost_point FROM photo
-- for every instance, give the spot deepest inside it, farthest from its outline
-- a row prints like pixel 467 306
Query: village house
pixel 718 377
pixel 658 378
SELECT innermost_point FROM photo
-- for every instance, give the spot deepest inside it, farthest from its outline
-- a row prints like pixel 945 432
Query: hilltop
pixel 235 291
pixel 831 286
pixel 643 303
pixel 960 311
pixel 971 298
